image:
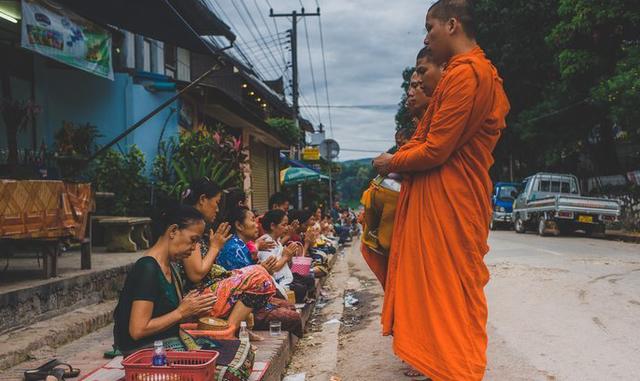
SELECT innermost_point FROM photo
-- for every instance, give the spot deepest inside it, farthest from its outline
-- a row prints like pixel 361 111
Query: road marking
pixel 551 252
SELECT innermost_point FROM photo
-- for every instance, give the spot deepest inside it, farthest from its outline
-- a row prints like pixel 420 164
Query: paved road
pixel 560 308
pixel 563 308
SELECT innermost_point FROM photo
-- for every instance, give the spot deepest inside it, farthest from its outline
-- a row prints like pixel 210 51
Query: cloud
pixel 367 45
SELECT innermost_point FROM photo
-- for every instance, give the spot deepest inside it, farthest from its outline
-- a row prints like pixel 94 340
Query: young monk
pixel 427 72
pixel 436 274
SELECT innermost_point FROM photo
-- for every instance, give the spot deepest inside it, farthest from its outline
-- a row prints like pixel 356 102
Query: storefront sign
pixel 311 154
pixel 66 37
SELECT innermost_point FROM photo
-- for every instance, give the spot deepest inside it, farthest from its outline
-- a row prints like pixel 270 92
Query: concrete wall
pixel 55 297
pixel 112 106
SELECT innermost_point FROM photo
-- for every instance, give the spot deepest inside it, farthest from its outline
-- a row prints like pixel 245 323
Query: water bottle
pixel 159 354
pixel 244 332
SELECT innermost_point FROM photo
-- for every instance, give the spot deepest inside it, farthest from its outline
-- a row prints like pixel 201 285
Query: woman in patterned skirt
pixel 238 292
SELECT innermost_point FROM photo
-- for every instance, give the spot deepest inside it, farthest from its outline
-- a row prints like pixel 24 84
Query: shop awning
pixel 293 176
pixel 157 19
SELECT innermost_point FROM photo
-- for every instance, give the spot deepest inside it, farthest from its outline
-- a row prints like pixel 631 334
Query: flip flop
pixel 44 370
pixel 412 373
pixel 113 353
pixel 56 373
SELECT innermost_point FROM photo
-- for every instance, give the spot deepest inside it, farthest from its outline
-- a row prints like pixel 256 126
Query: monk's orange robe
pixel 434 304
pixel 376 262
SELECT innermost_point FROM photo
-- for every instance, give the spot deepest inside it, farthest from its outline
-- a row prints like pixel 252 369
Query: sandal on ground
pixel 412 373
pixel 44 370
pixel 56 374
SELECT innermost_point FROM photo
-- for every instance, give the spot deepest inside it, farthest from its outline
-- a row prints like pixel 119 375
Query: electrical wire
pixel 214 4
pixel 324 70
pixel 275 25
pixel 313 77
pixel 246 24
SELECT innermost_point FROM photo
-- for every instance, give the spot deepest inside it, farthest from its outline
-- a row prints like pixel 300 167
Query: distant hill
pixel 365 161
pixel 354 179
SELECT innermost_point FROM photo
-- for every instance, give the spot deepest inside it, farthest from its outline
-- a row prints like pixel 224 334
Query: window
pixel 146 55
pixel 183 65
pixel 555 186
pixel 507 192
pixel 565 187
pixel 545 186
pixel 170 60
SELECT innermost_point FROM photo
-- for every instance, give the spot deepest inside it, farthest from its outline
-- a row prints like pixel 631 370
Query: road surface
pixel 560 308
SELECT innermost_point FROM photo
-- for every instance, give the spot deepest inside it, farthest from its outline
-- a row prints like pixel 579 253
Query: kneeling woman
pixel 236 255
pixel 150 308
pixel 238 291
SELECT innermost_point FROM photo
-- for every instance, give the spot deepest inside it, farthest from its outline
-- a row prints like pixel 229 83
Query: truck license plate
pixel 585 219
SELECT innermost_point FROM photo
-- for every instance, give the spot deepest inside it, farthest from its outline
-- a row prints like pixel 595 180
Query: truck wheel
pixel 492 225
pixel 518 225
pixel 542 227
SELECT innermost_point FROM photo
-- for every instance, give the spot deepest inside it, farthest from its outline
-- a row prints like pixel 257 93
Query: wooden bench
pixel 125 234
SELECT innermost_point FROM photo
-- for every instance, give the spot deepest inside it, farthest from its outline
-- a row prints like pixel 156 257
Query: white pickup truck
pixel 551 204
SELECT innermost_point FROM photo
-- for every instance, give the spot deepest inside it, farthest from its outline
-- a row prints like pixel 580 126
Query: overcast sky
pixel 367 45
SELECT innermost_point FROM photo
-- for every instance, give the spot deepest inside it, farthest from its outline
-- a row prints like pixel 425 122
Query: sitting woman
pixel 276 224
pixel 150 308
pixel 236 255
pixel 308 234
pixel 238 292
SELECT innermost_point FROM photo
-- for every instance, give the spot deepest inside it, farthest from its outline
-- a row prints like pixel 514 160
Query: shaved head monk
pixel 422 85
pixel 434 303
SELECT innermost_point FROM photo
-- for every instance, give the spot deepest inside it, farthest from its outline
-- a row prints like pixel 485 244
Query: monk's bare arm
pixel 447 126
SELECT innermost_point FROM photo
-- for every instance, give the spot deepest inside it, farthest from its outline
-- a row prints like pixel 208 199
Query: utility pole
pixel 294 76
pixel 321 127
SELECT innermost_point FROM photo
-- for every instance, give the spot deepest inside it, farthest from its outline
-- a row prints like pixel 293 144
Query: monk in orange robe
pixel 434 303
pixel 421 85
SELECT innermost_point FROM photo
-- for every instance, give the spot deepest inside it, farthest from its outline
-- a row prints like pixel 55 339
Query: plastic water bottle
pixel 243 335
pixel 159 354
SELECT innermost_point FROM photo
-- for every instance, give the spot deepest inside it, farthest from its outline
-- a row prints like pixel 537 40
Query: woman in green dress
pixel 150 307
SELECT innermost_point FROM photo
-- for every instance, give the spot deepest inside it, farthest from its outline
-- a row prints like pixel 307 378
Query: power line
pixel 229 20
pixel 313 77
pixel 220 10
pixel 275 25
pixel 324 70
pixel 371 107
pixel 246 24
pixel 556 112
pixel 269 38
pixel 359 150
pixel 255 25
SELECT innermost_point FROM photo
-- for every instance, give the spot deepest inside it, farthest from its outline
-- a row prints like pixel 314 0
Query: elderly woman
pixel 150 308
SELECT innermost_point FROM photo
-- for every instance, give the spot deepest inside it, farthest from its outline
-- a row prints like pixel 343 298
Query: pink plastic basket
pixel 301 265
pixel 183 366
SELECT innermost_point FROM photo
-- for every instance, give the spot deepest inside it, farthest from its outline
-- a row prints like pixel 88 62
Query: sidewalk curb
pixel 17 346
pixel 631 238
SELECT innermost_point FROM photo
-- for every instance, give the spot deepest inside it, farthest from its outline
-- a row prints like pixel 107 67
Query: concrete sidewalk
pixel 80 333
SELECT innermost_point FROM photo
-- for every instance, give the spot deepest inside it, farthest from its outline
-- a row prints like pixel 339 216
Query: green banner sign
pixel 66 37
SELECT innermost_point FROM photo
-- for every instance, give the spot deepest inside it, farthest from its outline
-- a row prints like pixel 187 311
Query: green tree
pixel 570 69
pixel 403 116
pixel 353 179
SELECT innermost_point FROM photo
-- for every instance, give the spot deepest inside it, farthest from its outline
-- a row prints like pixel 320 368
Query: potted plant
pixel 73 146
pixel 16 116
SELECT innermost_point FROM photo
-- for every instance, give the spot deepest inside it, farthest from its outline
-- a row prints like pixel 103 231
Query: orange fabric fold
pixel 376 262
pixel 434 305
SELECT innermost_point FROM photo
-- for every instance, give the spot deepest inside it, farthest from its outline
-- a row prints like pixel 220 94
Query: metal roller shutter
pixel 259 177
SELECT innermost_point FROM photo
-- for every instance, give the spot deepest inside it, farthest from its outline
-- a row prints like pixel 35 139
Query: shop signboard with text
pixel 62 35
pixel 311 154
